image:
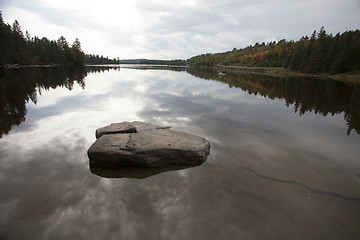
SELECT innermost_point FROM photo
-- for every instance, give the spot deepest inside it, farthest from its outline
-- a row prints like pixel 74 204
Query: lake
pixel 284 160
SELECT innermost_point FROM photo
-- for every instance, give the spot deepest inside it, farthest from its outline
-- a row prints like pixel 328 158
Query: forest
pixel 19 48
pixel 320 53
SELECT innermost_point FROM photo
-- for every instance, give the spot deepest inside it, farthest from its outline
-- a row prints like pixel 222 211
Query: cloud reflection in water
pixel 47 190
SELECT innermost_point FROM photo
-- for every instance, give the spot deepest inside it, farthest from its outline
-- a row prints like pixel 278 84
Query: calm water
pixel 284 161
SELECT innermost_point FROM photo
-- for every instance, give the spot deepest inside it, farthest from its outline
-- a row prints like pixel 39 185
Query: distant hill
pixel 153 61
pixel 96 59
pixel 133 61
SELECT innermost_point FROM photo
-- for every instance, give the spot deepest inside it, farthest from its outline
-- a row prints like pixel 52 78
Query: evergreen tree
pixel 321 53
pixel 77 53
pixel 17 48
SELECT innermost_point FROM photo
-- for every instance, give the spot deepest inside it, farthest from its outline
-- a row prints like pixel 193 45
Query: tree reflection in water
pixel 323 96
pixel 19 86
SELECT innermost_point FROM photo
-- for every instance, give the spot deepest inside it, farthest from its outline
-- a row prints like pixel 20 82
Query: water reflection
pixel 102 68
pixel 306 94
pixel 19 86
pixel 271 173
pixel 135 172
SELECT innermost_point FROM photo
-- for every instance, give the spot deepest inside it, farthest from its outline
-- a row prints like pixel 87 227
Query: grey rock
pixel 140 144
pixel 127 127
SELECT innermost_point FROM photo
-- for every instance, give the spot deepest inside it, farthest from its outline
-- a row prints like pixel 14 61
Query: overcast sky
pixel 169 29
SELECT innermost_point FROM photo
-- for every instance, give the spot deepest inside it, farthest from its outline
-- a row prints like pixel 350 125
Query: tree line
pixel 19 48
pixel 320 53
pixel 96 59
pixel 175 62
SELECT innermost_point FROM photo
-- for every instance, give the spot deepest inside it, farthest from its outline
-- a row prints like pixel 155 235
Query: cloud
pixel 179 29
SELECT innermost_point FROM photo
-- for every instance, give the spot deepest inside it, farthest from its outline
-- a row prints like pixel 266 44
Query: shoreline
pixel 349 77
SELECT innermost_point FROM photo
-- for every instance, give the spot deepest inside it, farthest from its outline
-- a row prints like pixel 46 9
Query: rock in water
pixel 140 144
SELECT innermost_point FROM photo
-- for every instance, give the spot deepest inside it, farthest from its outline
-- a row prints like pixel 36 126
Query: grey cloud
pixel 172 29
pixel 256 21
pixel 52 15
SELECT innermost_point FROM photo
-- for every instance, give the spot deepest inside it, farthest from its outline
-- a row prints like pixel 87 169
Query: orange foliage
pixel 261 56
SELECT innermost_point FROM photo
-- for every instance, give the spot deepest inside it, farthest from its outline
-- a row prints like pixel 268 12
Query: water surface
pixel 284 161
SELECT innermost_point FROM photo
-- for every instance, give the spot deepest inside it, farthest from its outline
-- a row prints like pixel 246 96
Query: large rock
pixel 140 144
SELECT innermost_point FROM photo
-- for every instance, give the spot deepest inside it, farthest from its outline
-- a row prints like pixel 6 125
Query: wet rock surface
pixel 140 144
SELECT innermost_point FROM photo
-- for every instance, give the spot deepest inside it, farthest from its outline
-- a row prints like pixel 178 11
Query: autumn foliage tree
pixel 321 53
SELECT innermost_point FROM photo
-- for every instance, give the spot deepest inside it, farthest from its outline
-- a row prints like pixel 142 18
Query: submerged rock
pixel 140 144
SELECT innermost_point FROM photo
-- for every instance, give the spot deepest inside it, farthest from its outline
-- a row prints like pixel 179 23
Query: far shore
pixel 353 77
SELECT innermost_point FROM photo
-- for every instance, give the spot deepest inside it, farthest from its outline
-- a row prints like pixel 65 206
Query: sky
pixel 178 29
